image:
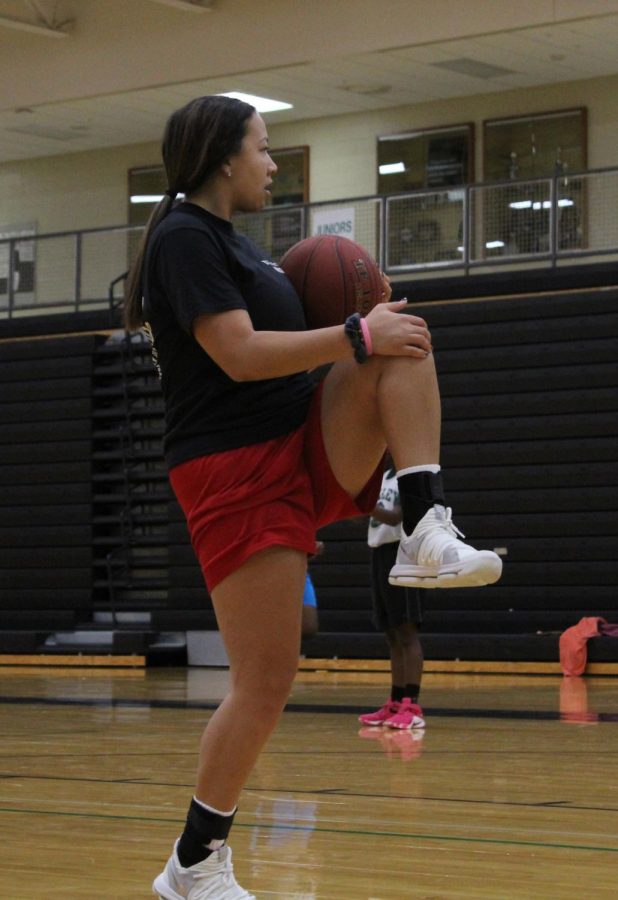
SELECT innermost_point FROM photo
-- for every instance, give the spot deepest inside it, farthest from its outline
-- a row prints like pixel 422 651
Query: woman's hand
pixel 394 334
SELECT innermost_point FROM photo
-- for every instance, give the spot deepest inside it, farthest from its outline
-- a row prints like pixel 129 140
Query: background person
pixel 397 612
pixel 310 620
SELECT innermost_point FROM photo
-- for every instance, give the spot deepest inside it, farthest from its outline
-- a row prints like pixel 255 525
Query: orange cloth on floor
pixel 573 641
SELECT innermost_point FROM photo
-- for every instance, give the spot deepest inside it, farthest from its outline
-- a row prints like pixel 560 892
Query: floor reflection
pixel 286 835
pixel 574 702
pixel 402 745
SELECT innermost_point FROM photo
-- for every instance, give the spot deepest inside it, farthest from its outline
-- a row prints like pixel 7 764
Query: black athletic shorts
pixel 392 606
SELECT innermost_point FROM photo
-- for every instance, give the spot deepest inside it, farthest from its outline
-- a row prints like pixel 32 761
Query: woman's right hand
pixel 396 334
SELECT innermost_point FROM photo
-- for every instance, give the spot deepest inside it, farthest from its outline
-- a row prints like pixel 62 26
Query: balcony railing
pixel 477 227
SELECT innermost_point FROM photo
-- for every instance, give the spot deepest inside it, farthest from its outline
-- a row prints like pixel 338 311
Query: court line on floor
pixel 322 830
pixel 564 805
pixel 437 712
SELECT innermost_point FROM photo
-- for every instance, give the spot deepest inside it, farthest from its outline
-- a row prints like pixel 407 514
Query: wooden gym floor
pixel 510 794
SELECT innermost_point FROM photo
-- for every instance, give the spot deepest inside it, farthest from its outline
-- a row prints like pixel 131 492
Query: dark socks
pixel 418 491
pixel 202 827
pixel 397 693
pixel 412 691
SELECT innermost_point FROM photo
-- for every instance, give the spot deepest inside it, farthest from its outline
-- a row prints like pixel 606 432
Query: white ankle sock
pixel 211 809
pixel 431 467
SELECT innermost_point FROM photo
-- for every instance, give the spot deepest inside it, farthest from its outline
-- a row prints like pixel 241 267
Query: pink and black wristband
pixel 366 337
pixel 357 332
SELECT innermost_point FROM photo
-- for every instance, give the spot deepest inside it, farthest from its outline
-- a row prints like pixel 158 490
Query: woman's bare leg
pixel 389 400
pixel 258 610
pixel 394 401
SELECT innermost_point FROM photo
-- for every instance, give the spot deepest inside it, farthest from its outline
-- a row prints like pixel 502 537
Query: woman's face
pixel 252 168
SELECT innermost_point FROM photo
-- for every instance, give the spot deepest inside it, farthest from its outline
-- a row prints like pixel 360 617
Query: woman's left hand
pixel 394 333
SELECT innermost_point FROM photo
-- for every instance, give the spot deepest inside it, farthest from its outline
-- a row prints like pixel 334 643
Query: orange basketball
pixel 334 277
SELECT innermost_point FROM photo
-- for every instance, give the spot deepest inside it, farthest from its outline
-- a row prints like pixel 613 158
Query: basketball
pixel 334 277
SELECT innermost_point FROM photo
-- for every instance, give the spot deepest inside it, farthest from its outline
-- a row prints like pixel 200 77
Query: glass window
pixel 291 183
pixel 438 157
pixel 146 187
pixel 426 228
pixel 534 146
pixel 520 156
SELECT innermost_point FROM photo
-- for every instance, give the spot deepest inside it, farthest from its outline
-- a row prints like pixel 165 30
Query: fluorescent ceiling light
pixel 262 104
pixel 151 198
pixel 392 168
pixel 537 204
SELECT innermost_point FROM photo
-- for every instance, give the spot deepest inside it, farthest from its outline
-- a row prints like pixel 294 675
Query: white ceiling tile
pixel 589 48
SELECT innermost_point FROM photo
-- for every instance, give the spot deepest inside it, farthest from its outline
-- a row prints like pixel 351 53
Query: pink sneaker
pixel 379 717
pixel 409 715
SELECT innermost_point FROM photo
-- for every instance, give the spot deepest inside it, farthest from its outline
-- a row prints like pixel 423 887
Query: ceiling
pixel 571 51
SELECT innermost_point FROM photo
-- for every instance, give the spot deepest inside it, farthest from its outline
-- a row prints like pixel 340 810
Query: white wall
pixel 89 190
pixel 65 193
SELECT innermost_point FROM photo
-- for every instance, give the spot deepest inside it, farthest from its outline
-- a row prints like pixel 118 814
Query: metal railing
pixel 541 221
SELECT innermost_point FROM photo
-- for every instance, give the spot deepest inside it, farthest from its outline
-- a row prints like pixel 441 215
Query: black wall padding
pixel 46 598
pixel 530 420
pixel 45 483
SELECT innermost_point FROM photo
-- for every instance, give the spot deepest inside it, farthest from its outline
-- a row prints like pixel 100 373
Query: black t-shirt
pixel 197 263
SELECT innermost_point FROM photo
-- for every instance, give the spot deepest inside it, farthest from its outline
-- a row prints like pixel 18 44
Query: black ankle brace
pixel 202 827
pixel 418 491
pixel 426 486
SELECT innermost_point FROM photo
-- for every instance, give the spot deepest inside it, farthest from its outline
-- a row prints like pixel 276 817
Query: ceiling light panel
pixel 262 104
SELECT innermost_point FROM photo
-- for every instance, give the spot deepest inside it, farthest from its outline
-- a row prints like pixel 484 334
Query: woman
pixel 259 457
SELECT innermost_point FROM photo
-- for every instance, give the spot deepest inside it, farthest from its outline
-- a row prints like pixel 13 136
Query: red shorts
pixel 278 493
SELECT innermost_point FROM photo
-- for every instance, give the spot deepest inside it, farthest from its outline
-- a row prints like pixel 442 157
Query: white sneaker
pixel 211 879
pixel 434 557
